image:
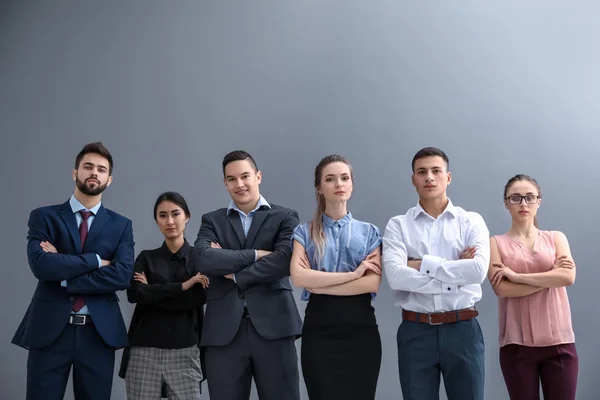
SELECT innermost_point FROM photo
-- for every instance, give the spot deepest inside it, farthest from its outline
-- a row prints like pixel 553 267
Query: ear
pixel 74 174
pixel 412 179
pixel 110 179
pixel 449 177
pixel 259 176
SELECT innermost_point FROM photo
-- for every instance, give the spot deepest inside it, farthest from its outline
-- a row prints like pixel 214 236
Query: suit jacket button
pixel 242 296
pixel 71 298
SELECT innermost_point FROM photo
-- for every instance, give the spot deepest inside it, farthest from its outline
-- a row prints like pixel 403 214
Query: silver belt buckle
pixel 432 323
pixel 77 319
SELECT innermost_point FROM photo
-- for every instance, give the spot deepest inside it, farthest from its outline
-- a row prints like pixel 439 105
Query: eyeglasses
pixel 517 199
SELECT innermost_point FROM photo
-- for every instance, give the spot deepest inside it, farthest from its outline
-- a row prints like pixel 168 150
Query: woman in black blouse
pixel 164 333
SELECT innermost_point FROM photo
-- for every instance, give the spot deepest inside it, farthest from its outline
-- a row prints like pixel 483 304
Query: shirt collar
pixel 341 222
pixel 450 209
pixel 76 206
pixel 261 203
pixel 180 254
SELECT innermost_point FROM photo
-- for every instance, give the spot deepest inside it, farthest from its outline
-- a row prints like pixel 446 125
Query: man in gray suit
pixel 251 319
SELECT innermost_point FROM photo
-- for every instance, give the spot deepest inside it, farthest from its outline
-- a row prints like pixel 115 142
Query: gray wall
pixel 170 87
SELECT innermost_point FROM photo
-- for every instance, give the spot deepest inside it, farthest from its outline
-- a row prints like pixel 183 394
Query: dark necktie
pixel 83 232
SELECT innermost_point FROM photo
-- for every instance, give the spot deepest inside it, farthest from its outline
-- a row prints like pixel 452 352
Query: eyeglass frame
pixel 521 198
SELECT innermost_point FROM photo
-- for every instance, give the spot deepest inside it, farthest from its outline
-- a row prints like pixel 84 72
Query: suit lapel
pixel 99 220
pixel 69 219
pixel 236 223
pixel 257 221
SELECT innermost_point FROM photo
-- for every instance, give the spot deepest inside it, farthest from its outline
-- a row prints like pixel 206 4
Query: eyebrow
pixel 232 176
pixel 91 164
pixel 425 169
pixel 519 194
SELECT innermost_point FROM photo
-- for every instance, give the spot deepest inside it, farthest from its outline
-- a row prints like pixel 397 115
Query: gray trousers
pixel 149 367
pixel 272 363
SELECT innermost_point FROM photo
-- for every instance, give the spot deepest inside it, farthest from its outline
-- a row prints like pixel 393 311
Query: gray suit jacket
pixel 263 285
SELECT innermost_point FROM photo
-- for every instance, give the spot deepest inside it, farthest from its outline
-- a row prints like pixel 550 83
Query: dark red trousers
pixel 524 367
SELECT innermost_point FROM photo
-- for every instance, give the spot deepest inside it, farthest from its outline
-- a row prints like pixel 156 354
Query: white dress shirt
pixel 444 282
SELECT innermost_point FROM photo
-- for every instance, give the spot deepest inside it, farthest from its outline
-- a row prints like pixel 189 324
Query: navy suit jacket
pixel 111 237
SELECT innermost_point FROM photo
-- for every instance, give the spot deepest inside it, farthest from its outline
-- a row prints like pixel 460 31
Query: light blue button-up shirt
pixel 247 218
pixel 76 206
pixel 347 243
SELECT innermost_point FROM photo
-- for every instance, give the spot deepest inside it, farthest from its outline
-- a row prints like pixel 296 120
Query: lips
pixel 93 181
pixel 340 192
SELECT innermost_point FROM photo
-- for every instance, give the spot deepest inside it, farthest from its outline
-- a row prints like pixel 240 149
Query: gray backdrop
pixel 170 87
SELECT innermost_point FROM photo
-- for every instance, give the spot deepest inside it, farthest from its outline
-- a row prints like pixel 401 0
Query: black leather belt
pixel 77 319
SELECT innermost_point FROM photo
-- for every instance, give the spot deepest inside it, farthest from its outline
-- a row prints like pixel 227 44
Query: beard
pixel 89 191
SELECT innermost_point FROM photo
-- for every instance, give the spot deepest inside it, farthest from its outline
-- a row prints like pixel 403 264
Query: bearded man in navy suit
pixel 81 254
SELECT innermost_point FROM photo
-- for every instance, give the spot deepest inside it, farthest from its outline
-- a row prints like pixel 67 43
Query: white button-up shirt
pixel 444 282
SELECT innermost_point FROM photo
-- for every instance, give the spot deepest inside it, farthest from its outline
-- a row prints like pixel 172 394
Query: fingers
pixel 469 252
pixel 140 277
pixel 497 277
pixel 215 245
pixel 373 267
pixel 48 247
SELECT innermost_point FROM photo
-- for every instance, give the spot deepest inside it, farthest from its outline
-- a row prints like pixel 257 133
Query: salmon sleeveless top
pixel 542 318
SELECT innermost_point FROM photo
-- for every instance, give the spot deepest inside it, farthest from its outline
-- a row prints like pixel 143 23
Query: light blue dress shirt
pixel 347 243
pixel 247 218
pixel 76 206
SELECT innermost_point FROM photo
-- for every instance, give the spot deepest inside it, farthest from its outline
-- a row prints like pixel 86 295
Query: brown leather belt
pixel 447 317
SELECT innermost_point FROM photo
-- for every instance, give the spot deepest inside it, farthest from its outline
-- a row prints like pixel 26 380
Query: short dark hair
pixel 238 155
pixel 430 152
pixel 173 197
pixel 97 148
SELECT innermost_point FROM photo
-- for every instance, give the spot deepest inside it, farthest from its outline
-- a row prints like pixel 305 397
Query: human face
pixel 241 181
pixel 522 211
pixel 171 219
pixel 92 177
pixel 431 178
pixel 336 182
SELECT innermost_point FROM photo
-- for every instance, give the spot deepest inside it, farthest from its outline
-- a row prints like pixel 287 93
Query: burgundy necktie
pixel 83 232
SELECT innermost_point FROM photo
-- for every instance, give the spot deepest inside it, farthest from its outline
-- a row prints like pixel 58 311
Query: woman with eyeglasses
pixel 529 272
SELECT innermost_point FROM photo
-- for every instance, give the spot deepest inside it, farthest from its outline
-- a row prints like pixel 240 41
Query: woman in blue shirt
pixel 337 260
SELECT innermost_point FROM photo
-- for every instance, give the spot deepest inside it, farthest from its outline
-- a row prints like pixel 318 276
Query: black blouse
pixel 165 316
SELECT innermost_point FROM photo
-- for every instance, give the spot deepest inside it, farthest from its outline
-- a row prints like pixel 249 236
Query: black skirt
pixel 341 348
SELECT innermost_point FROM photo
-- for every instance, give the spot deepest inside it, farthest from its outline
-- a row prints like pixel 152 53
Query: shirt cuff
pixel 63 283
pixel 255 256
pixel 234 278
pixel 430 265
pixel 99 261
pixel 449 288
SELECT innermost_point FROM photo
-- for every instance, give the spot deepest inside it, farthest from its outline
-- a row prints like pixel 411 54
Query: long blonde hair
pixel 317 235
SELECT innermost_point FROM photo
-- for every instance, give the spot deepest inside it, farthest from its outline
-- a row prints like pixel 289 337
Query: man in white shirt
pixel 435 257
